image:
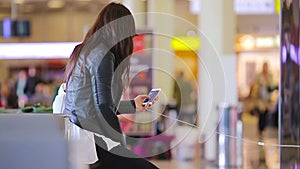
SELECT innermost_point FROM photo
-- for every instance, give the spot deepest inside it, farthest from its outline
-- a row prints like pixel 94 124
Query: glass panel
pixel 289 103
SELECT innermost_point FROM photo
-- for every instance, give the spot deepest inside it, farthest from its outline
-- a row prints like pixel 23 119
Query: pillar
pixel 217 29
pixel 160 19
pixel 138 8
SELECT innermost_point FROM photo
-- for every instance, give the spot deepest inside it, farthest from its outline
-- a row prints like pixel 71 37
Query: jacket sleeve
pixel 126 107
pixel 108 120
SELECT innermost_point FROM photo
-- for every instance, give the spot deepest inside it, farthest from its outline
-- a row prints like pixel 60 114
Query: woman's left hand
pixel 139 100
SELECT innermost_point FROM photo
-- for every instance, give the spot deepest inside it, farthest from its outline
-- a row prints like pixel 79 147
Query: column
pixel 160 19
pixel 217 29
pixel 138 8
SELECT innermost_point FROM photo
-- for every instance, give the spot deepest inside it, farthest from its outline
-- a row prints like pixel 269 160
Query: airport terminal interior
pixel 228 74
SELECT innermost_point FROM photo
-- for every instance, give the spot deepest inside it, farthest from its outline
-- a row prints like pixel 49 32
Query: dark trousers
pixel 119 157
pixel 262 120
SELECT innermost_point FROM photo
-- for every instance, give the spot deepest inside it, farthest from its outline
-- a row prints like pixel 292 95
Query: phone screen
pixel 152 94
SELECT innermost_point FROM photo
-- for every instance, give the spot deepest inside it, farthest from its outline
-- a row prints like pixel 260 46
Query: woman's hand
pixel 139 100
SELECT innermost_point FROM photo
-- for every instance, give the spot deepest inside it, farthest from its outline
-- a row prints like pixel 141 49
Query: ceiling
pixel 37 6
pixel 264 24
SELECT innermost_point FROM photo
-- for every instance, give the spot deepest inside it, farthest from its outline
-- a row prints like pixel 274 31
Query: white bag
pixel 58 104
pixel 82 149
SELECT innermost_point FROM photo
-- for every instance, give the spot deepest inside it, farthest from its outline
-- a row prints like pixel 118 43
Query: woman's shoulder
pixel 99 55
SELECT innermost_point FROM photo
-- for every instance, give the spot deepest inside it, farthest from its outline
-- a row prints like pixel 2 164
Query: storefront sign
pixel 245 6
pixel 254 6
pixel 185 43
pixel 255 42
pixel 139 43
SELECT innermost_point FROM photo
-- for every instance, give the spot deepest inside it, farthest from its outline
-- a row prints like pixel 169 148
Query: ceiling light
pixel 19 2
pixel 56 3
pixel 48 50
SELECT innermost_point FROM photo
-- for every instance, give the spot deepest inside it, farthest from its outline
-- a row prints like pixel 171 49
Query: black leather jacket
pixel 93 95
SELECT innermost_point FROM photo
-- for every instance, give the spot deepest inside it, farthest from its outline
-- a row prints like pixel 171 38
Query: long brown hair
pixel 115 27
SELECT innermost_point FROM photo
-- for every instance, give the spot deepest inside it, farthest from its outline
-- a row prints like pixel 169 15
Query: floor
pixel 255 155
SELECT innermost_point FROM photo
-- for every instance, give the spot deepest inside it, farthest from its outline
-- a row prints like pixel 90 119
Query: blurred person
pixel 20 88
pixel 41 95
pixel 185 102
pixel 9 92
pixel 260 95
pixel 56 83
pixel 96 75
pixel 1 98
pixel 32 80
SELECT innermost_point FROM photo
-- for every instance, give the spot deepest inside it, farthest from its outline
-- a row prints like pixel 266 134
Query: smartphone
pixel 153 94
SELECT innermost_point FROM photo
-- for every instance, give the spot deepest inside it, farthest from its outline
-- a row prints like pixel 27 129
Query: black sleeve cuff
pixel 126 107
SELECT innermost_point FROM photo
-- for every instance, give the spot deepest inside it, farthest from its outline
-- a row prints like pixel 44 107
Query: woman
pixel 96 76
pixel 260 95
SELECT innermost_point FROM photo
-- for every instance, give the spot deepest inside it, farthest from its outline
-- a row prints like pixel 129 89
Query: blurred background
pixel 255 38
pixel 37 37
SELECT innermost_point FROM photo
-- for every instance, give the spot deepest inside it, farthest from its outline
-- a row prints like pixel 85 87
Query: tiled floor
pixel 254 156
